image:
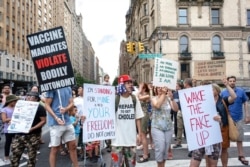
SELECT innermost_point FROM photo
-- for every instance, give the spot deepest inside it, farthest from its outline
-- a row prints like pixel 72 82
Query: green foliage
pixel 115 82
pixel 81 80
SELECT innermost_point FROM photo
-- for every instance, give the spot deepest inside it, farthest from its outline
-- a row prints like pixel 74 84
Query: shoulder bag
pixel 233 130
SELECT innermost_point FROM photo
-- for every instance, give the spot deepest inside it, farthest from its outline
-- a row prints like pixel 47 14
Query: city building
pixel 19 18
pixel 189 31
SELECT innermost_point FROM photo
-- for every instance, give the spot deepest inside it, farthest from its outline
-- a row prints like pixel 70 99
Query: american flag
pixel 120 89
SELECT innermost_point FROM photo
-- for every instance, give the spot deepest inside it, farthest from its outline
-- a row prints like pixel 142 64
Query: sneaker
pixel 25 156
pixel 2 163
pixel 6 161
pixel 38 152
pixel 177 146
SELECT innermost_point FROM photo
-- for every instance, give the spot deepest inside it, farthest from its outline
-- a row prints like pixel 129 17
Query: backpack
pixel 117 101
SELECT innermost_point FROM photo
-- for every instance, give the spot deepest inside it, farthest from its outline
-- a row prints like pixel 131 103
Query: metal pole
pixel 159 34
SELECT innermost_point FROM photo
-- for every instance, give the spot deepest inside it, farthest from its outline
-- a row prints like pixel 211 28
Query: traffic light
pixel 140 47
pixel 129 47
pixel 133 47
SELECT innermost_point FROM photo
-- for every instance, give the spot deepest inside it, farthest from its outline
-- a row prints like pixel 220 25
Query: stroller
pixel 93 154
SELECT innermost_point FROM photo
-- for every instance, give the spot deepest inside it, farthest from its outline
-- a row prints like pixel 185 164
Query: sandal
pixel 142 159
pixel 63 153
pixel 243 160
pixel 142 155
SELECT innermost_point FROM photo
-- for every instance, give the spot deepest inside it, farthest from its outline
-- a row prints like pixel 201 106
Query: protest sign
pixel 165 73
pixel 23 116
pixel 209 70
pixel 99 105
pixel 49 52
pixel 198 109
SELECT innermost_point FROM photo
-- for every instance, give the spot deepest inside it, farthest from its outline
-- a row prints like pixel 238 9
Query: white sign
pixel 165 73
pixel 23 116
pixel 198 109
pixel 99 104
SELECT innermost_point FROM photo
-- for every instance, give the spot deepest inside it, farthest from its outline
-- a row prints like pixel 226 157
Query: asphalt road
pixel 180 155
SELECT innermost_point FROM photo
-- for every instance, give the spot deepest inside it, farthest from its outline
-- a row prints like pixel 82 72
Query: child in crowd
pixel 74 118
pixel 92 149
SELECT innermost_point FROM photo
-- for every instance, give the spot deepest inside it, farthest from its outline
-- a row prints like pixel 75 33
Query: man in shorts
pixel 58 103
pixel 236 112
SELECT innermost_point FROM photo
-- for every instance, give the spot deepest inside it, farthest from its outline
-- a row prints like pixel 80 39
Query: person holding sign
pixel 58 103
pixel 236 112
pixel 162 127
pixel 213 152
pixel 29 140
pixel 6 114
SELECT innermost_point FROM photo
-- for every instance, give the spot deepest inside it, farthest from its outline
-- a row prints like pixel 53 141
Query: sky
pixel 104 25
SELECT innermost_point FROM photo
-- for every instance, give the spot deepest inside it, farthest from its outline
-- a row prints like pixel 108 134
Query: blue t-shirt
pixel 235 109
pixel 77 127
pixel 65 96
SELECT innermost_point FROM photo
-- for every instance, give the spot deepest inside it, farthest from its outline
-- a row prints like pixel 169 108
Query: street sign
pixel 150 56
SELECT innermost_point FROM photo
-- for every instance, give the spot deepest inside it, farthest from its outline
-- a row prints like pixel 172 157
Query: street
pixel 180 155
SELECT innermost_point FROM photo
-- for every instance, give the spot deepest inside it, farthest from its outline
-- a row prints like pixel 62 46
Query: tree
pixel 81 80
pixel 115 82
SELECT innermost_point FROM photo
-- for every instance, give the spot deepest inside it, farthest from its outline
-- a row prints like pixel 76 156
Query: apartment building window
pixel 18 65
pixel 23 67
pixel 145 9
pixel 145 31
pixel 39 12
pixel 216 42
pixel 7 63
pixel 248 17
pixel 185 70
pixel 215 16
pixel 248 44
pixel 7 20
pixel 183 16
pixel 27 67
pixel 13 64
pixel 184 44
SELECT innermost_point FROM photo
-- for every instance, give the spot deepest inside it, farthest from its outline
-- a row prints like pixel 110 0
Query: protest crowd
pixel 155 115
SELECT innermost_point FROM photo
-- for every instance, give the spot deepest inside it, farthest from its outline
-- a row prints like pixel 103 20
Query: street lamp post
pixel 161 36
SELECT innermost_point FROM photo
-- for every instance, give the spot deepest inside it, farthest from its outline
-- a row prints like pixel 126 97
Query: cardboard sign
pixel 23 116
pixel 49 52
pixel 165 73
pixel 198 109
pixel 209 70
pixel 99 104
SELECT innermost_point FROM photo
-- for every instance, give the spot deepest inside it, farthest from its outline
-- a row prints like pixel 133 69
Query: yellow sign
pixel 209 70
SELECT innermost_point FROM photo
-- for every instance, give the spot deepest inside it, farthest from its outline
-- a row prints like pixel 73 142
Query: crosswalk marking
pixel 232 144
pixel 185 163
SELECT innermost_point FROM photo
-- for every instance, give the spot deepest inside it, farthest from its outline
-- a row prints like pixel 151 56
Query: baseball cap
pixel 124 78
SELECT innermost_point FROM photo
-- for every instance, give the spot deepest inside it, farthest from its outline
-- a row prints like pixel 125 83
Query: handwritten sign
pixel 209 70
pixel 198 110
pixel 99 103
pixel 49 52
pixel 165 73
pixel 23 116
